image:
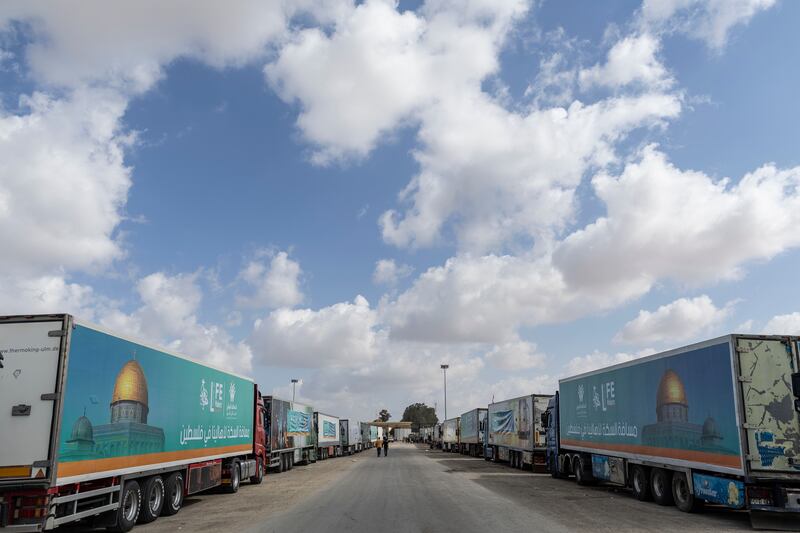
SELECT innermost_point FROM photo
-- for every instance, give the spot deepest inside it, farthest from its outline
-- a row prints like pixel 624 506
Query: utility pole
pixel 294 387
pixel 444 369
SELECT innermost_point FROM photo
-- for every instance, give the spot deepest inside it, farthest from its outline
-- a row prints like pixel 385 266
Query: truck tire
pixel 684 500
pixel 258 477
pixel 236 480
pixel 290 461
pixel 581 478
pixel 153 492
pixel 130 504
pixel 640 483
pixel 661 486
pixel 173 490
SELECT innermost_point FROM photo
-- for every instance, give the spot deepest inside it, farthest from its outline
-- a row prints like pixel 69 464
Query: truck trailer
pixel 472 429
pixel 103 428
pixel 711 422
pixel 350 431
pixel 450 435
pixel 515 431
pixel 291 439
pixel 366 435
pixel 328 435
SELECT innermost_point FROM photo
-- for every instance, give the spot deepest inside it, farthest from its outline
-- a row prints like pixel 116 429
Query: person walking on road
pixel 386 446
pixel 379 445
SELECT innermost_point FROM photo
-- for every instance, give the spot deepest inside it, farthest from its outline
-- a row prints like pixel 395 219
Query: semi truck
pixel 103 428
pixel 717 421
pixel 366 435
pixel 290 436
pixel 436 436
pixel 401 434
pixel 472 429
pixel 328 435
pixel 350 431
pixel 450 435
pixel 515 431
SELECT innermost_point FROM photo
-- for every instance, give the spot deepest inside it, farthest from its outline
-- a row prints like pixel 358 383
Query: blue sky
pixel 226 183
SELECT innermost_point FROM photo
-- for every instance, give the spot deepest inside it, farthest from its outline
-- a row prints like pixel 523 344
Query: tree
pixel 384 415
pixel 420 414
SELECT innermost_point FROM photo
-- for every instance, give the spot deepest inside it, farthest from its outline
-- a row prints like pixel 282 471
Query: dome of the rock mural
pixel 82 430
pixel 671 390
pixel 131 384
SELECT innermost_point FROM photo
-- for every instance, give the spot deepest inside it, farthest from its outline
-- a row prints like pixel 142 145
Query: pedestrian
pixel 379 445
pixel 386 446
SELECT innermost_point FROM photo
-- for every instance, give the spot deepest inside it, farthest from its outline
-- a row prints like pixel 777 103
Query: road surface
pixel 417 490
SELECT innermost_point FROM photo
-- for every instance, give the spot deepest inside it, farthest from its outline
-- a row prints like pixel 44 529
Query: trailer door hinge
pixel 756 458
pixel 751 426
pixel 42 464
pixel 56 333
pixel 745 379
pixel 50 396
pixel 742 349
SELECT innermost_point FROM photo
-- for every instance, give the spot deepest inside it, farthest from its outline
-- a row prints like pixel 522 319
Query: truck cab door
pixel 771 421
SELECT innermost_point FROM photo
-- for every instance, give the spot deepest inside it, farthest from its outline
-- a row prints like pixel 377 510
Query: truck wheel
pixel 290 461
pixel 174 494
pixel 235 478
pixel 130 504
pixel 152 499
pixel 581 478
pixel 661 486
pixel 684 500
pixel 640 483
pixel 259 475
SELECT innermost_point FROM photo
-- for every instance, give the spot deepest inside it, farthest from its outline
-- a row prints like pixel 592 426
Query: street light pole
pixel 444 369
pixel 294 386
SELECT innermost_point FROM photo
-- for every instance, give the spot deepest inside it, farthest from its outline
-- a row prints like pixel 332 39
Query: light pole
pixel 444 369
pixel 294 386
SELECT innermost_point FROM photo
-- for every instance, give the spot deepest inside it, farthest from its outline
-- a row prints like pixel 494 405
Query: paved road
pixel 416 490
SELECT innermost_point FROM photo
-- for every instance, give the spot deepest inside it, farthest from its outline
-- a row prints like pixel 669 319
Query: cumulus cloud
pixel 515 355
pixel 388 272
pixel 272 285
pixel 708 20
pixel 788 324
pixel 598 359
pixel 168 315
pixel 632 59
pixel 683 319
pixel 341 334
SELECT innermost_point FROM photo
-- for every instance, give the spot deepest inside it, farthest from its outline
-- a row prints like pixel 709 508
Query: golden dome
pixel 131 384
pixel 671 390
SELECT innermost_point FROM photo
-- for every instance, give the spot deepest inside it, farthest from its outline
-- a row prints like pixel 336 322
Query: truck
pixel 450 435
pixel 350 431
pixel 716 421
pixel 436 436
pixel 515 431
pixel 472 430
pixel 366 435
pixel 426 434
pixel 110 430
pixel 401 434
pixel 328 435
pixel 290 436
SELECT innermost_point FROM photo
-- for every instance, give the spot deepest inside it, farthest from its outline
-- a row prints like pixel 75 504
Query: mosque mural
pixel 680 406
pixel 127 400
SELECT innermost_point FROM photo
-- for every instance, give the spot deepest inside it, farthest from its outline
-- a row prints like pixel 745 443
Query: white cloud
pixel 46 294
pixel 515 355
pixel 666 223
pixel 63 183
pixel 708 20
pixel 788 324
pixel 127 43
pixel 274 285
pixel 631 60
pixel 598 359
pixel 168 316
pixel 341 334
pixel 388 272
pixel 683 319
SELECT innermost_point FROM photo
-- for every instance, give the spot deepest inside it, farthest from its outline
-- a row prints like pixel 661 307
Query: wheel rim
pixel 682 490
pixel 130 505
pixel 177 492
pixel 235 476
pixel 155 499
pixel 637 481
